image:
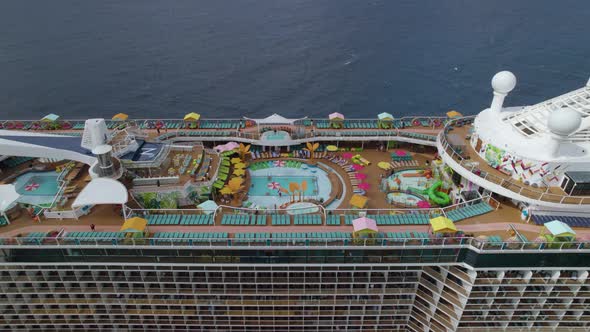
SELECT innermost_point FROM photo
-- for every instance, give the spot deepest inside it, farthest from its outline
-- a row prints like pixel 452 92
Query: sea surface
pixel 230 58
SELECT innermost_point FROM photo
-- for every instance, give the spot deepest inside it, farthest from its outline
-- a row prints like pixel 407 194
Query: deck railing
pixel 508 184
pixel 475 244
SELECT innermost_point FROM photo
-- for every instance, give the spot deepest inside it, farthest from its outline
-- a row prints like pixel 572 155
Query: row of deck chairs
pixel 280 220
pixel 244 219
pixel 313 219
pixel 407 235
pixel 469 211
pixel 95 235
pixel 167 237
pixel 15 161
pixel 197 219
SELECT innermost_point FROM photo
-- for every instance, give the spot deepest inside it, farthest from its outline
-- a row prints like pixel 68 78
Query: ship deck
pixel 497 222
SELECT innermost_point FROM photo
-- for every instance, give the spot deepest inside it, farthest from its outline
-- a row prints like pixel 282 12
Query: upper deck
pixel 405 145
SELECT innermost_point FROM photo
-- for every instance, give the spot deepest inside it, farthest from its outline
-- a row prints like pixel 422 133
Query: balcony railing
pixel 509 184
pixel 264 243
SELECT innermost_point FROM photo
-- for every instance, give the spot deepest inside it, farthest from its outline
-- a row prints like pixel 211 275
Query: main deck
pixel 381 172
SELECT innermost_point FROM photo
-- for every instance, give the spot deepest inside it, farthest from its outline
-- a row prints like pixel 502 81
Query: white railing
pixel 477 245
pixel 508 184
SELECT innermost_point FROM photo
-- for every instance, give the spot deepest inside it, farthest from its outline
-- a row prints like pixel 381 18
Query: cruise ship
pixel 427 223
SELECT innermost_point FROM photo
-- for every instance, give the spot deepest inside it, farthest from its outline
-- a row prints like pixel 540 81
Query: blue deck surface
pixel 56 142
pixel 146 152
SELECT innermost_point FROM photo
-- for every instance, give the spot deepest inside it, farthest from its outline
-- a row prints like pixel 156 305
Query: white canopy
pixel 102 191
pixel 8 197
pixel 274 119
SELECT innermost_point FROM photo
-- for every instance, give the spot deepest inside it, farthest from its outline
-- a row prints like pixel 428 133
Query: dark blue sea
pixel 224 58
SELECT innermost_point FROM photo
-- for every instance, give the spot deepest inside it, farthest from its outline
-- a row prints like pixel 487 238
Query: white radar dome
pixel 564 121
pixel 503 82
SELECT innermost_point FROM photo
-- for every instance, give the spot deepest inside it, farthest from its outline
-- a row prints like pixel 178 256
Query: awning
pixel 192 116
pixel 8 197
pixel 358 201
pixel 336 116
pixel 120 117
pixel 559 229
pixel 50 117
pixel 274 119
pixel 385 116
pixel 365 224
pixel 102 191
pixel 208 207
pixel 134 225
pixel 442 225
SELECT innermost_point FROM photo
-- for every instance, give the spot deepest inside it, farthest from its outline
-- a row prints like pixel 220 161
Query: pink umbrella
pixel 279 163
pixel 423 205
pixel 364 186
pixel 357 167
pixel 273 185
pixel 32 186
pixel 347 155
pixel 400 153
pixel 360 176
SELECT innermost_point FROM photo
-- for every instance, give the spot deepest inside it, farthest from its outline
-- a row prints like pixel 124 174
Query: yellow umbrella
pixel 226 190
pixel 134 224
pixel 239 171
pixel 192 116
pixel 121 117
pixel 454 114
pixel 442 225
pixel 358 201
pixel 384 165
pixel 236 160
pixel 332 148
pixel 240 165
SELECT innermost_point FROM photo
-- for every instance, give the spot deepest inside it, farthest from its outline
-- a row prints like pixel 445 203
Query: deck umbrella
pixel 120 117
pixel 208 207
pixel 358 201
pixel 134 225
pixel 192 116
pixel 442 225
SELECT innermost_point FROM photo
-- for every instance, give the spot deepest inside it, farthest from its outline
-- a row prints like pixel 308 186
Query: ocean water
pixel 154 58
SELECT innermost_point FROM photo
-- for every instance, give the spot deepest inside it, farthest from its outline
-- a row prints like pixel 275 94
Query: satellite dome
pixel 564 121
pixel 503 82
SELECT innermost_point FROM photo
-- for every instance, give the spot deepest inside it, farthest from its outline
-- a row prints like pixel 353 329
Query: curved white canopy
pixel 8 196
pixel 274 119
pixel 102 191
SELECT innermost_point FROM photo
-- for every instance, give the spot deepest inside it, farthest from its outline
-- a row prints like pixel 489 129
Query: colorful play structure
pixel 438 197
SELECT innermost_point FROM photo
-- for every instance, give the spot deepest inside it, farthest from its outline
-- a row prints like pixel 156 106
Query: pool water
pixel 276 136
pixel 37 188
pixel 261 196
pixel 419 182
pixel 260 185
pixel 37 184
pixel 401 198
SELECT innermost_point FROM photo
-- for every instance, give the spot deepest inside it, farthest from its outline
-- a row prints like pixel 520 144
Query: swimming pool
pixel 414 181
pixel 37 184
pixel 265 184
pixel 405 199
pixel 276 136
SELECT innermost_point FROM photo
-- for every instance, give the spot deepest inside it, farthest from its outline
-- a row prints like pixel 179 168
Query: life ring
pixel 437 123
pixel 416 123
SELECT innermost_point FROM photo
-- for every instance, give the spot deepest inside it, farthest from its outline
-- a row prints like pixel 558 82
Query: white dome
pixel 564 121
pixel 503 82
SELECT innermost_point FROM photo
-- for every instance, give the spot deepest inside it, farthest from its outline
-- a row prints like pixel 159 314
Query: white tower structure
pixel 502 83
pixel 95 134
pixel 561 124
